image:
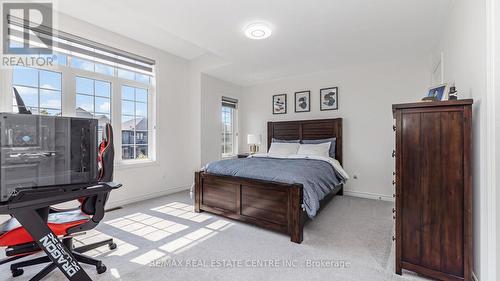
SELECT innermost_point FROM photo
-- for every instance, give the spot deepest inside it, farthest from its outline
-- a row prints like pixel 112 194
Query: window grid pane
pixel 39 89
pixel 93 100
pixel 227 131
pixel 134 123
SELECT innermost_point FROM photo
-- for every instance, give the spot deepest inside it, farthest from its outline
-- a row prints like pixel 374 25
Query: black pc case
pixel 37 151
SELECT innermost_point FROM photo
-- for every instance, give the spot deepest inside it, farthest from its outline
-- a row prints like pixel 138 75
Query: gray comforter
pixel 319 178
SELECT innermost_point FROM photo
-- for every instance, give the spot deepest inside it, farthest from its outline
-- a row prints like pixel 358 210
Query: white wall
pixel 496 89
pixel 178 122
pixel 212 90
pixel 463 44
pixel 366 93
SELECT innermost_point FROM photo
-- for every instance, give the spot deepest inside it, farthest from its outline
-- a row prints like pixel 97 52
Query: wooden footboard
pixel 271 205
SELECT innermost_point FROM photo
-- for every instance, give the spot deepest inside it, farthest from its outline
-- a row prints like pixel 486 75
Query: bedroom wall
pixel 366 93
pixel 212 90
pixel 178 121
pixel 496 89
pixel 463 46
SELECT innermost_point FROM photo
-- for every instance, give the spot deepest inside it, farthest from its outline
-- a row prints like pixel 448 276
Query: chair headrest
pixel 106 155
pixel 21 107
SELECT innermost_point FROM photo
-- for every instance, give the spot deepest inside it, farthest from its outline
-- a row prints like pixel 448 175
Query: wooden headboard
pixel 307 130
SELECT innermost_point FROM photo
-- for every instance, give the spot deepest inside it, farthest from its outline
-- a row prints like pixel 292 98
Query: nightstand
pixel 243 155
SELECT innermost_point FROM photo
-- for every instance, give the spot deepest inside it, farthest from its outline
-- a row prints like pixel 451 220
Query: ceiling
pixel 308 35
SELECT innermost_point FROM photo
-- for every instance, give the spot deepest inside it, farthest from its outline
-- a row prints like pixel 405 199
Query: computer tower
pixel 38 151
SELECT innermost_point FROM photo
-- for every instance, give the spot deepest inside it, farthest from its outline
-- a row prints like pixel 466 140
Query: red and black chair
pixel 64 223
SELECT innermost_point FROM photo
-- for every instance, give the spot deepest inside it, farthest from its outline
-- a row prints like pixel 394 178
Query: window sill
pixel 133 164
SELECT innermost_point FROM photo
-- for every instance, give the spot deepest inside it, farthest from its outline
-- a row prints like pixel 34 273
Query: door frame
pixel 489 230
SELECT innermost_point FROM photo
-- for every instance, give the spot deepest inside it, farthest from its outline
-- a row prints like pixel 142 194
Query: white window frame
pixel 234 133
pixel 68 89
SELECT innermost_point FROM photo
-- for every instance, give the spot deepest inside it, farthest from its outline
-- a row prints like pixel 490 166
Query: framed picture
pixel 329 98
pixel 439 92
pixel 279 104
pixel 303 101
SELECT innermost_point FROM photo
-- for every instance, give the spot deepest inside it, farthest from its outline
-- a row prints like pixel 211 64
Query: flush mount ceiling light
pixel 258 31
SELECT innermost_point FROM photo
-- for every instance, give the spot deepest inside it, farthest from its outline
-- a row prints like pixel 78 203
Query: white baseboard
pixel 474 277
pixel 113 204
pixel 368 195
pixel 119 203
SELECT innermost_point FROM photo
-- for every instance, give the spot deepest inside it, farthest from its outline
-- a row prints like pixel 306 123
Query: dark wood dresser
pixel 434 189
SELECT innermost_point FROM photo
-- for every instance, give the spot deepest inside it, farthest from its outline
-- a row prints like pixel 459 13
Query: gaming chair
pixel 64 223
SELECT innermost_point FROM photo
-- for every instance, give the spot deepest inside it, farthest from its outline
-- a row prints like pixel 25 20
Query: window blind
pixel 19 30
pixel 229 102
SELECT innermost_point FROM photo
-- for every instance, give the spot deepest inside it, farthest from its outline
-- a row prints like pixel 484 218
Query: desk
pixel 30 207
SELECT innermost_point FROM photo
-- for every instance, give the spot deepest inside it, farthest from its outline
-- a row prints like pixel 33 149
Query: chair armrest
pixel 53 210
pixel 112 184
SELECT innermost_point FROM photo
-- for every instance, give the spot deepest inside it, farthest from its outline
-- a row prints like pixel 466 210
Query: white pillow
pixel 282 150
pixel 320 149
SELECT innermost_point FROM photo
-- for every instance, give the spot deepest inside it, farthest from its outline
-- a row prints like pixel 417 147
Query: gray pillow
pixel 333 144
pixel 285 141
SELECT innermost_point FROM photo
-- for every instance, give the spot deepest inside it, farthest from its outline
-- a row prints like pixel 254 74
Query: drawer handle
pixel 394 127
pixel 393 173
pixel 393 238
pixel 394 195
pixel 393 153
pixel 393 210
pixel 393 182
pixel 394 217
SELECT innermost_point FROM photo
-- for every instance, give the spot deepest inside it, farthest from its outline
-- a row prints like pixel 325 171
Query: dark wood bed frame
pixel 272 205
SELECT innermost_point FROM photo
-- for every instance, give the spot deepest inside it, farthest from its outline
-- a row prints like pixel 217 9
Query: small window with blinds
pixel 229 135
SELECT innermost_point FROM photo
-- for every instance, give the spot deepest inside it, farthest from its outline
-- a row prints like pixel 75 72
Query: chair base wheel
pixel 17 272
pixel 101 269
pixel 112 246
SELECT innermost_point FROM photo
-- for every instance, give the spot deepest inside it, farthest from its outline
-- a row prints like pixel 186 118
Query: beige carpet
pixel 163 239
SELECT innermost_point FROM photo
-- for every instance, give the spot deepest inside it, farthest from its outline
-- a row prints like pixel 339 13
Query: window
pixel 134 123
pixel 56 58
pixel 39 89
pixel 92 66
pixel 130 75
pixel 228 127
pixel 92 77
pixel 82 64
pixel 93 100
